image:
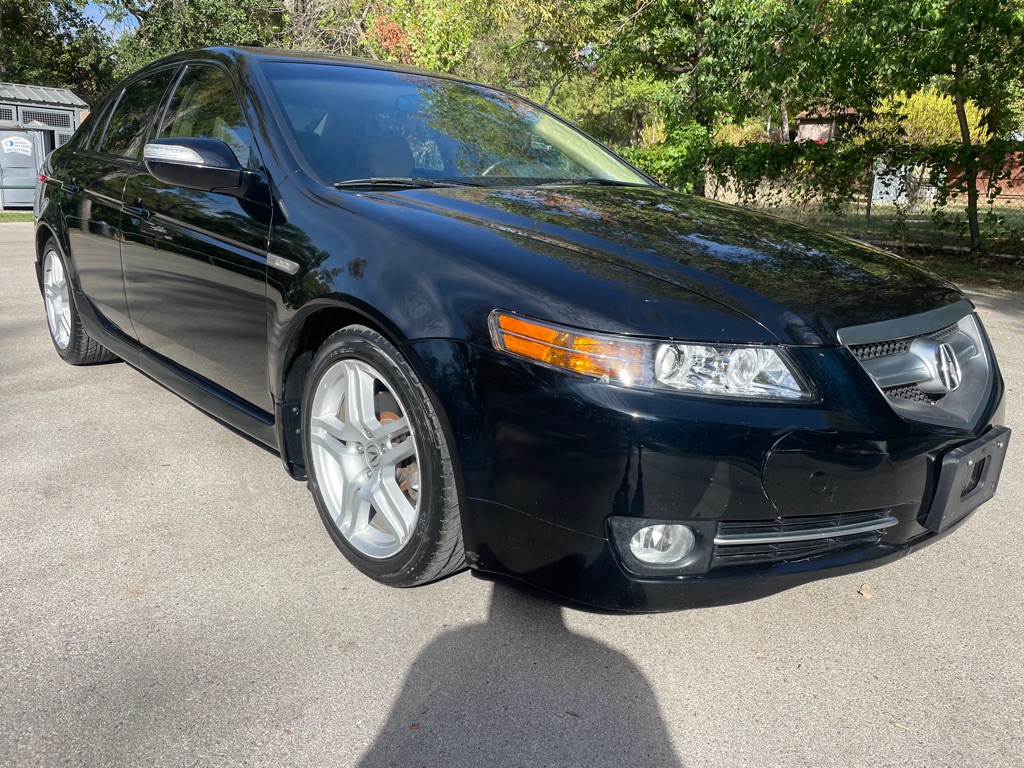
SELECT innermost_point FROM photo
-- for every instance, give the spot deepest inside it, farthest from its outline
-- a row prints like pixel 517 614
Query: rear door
pixel 195 262
pixel 93 179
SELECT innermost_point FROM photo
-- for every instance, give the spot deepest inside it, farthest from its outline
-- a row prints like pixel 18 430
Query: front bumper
pixel 548 460
pixel 586 569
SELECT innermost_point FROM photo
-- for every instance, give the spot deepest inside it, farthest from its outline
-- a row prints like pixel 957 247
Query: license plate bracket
pixel 962 486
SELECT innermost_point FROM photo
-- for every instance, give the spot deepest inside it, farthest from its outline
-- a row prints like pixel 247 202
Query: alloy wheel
pixel 365 458
pixel 57 299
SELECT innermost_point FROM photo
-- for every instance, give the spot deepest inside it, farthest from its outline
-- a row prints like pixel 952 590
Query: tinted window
pixel 354 122
pixel 126 131
pixel 92 128
pixel 204 107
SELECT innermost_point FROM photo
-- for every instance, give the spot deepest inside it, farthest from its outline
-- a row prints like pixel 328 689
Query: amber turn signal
pixel 610 359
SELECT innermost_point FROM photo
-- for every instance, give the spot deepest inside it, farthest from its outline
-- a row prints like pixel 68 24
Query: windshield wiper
pixel 410 182
pixel 593 180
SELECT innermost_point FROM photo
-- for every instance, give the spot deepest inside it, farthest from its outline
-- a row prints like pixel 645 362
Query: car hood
pixel 801 284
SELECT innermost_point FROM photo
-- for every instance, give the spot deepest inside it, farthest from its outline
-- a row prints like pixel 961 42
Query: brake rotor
pixel 408 476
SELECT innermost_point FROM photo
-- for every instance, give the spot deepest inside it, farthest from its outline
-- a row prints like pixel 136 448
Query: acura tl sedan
pixel 484 340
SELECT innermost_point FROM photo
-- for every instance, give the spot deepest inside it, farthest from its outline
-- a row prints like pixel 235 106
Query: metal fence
pixel 904 214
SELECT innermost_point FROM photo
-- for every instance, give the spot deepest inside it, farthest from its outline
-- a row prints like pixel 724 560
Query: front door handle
pixel 137 212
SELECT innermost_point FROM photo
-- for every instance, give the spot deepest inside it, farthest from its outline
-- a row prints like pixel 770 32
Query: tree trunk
pixel 785 122
pixel 553 88
pixel 3 64
pixel 971 170
pixel 700 112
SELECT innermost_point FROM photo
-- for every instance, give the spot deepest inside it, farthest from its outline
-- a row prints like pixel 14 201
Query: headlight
pixel 741 371
pixel 734 371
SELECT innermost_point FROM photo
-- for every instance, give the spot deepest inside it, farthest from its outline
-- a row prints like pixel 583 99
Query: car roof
pixel 274 54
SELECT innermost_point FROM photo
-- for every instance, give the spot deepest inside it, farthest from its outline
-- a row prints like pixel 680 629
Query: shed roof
pixel 37 94
pixel 825 112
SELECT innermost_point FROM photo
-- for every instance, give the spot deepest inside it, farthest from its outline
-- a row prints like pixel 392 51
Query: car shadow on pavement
pixel 522 689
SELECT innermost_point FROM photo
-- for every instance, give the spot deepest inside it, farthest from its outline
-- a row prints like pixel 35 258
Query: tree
pixel 724 60
pixel 734 54
pixel 968 49
pixel 331 26
pixel 927 118
pixel 162 27
pixel 53 43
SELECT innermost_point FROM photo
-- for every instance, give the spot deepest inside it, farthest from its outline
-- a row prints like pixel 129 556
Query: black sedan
pixel 483 339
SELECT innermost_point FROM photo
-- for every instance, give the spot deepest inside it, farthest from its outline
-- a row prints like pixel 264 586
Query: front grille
pixel 898 346
pixel 787 539
pixel 914 394
pixel 908 359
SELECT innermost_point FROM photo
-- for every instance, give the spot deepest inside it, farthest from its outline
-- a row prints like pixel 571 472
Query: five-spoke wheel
pixel 70 338
pixel 365 453
pixel 378 463
pixel 57 299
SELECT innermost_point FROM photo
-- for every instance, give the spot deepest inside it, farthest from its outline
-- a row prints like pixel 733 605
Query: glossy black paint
pixel 195 276
pixel 90 221
pixel 177 282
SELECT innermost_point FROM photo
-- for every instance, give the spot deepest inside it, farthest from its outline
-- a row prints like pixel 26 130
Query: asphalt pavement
pixel 168 596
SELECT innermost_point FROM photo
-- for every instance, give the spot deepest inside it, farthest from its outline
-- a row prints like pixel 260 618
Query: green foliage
pixel 925 118
pixel 830 175
pixel 680 161
pixel 619 112
pixel 167 26
pixel 685 85
pixel 53 43
pixel 435 34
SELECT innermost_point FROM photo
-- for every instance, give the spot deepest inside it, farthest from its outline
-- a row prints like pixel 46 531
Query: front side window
pixel 204 107
pixel 355 123
pixel 126 132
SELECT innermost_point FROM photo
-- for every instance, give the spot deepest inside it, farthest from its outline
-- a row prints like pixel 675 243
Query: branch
pixel 553 88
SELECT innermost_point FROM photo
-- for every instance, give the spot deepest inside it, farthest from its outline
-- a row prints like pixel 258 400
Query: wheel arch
pixel 43 233
pixel 304 335
pixel 47 228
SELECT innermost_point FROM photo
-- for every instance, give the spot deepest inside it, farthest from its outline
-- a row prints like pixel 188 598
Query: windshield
pixel 353 123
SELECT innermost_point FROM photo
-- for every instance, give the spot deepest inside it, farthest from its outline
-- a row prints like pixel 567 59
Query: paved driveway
pixel 169 597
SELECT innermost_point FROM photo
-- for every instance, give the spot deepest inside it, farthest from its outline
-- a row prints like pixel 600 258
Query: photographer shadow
pixel 522 690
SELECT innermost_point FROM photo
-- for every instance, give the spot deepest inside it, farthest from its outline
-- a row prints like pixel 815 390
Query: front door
pixel 195 262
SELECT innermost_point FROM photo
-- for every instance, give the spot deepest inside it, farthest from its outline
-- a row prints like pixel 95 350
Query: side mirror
pixel 206 164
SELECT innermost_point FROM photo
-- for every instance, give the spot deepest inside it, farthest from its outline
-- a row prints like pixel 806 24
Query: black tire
pixel 434 548
pixel 69 337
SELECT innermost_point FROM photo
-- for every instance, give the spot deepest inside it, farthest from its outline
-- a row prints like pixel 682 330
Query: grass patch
pixel 15 216
pixel 977 272
pixel 889 229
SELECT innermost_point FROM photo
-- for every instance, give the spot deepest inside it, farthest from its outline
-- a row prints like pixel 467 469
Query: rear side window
pixel 126 131
pixel 92 128
pixel 204 107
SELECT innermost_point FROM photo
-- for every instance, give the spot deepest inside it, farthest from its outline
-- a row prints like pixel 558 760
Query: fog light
pixel 662 544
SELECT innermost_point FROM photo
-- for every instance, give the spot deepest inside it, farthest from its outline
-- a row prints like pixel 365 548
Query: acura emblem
pixel 947 367
pixel 939 360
